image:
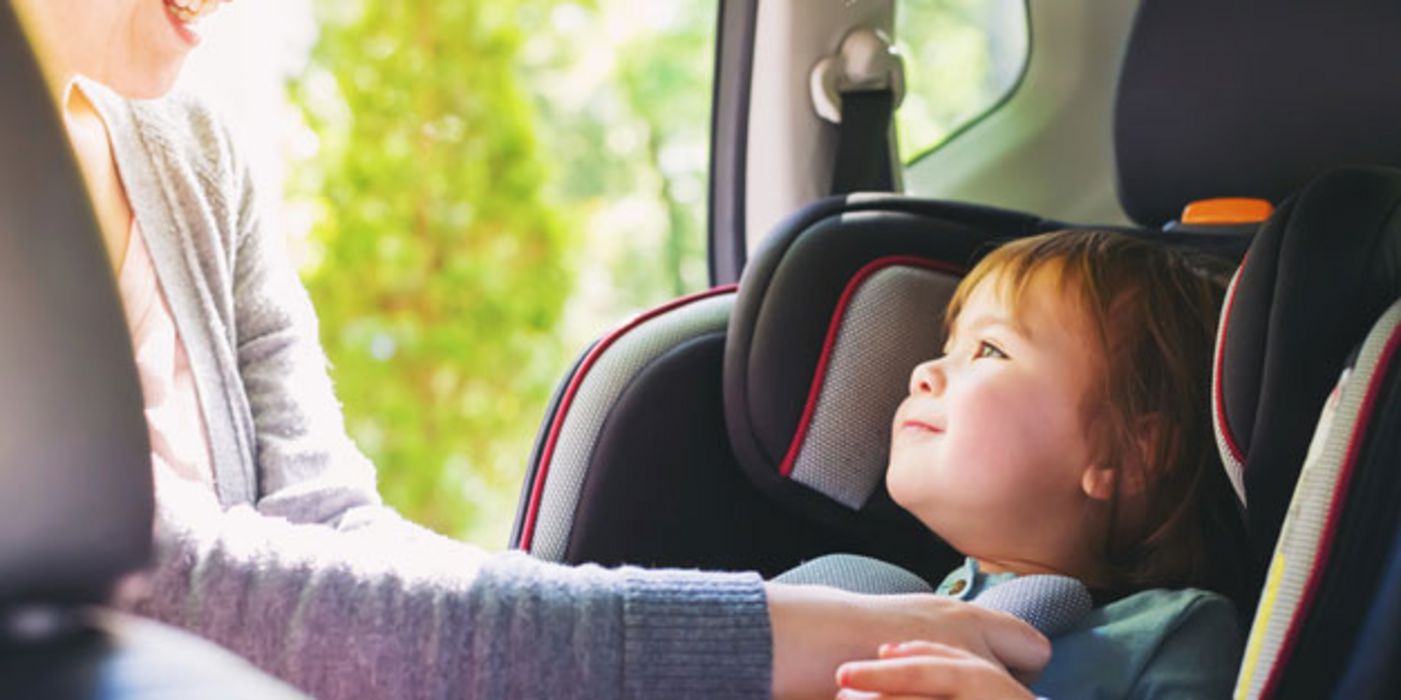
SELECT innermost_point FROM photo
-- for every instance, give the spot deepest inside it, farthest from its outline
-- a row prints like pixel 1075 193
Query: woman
pixel 272 539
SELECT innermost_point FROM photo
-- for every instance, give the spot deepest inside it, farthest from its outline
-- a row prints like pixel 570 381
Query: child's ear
pixel 1100 482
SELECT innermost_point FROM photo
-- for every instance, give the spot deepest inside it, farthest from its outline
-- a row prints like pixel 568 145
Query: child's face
pixel 990 448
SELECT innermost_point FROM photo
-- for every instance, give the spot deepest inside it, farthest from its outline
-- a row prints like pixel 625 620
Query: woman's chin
pixel 147 85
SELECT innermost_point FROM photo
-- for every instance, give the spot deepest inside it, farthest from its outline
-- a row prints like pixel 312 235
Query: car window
pixel 962 57
pixel 473 192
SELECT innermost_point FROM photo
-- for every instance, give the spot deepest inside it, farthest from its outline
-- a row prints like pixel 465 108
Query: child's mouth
pixel 920 426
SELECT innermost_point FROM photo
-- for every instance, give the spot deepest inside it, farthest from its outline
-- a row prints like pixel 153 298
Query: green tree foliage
pixel 961 57
pixel 622 89
pixel 438 269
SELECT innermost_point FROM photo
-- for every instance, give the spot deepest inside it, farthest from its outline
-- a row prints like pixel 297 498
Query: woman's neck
pixel 58 33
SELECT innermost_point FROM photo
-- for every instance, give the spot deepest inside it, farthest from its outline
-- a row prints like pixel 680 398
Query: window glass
pixel 473 192
pixel 961 58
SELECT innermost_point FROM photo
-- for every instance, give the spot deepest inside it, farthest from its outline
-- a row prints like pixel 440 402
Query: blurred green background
pixel 494 184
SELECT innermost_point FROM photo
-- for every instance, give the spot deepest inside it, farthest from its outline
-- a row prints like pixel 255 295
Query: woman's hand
pixel 815 629
pixel 927 670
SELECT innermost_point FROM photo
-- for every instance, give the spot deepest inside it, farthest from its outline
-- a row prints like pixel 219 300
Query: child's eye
pixel 986 349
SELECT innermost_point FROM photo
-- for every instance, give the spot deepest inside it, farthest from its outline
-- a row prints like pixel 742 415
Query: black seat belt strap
pixel 864 161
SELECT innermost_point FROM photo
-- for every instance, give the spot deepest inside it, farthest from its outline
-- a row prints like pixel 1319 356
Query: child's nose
pixel 928 378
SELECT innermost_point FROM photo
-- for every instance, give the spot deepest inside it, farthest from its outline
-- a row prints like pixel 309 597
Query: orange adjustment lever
pixel 1227 210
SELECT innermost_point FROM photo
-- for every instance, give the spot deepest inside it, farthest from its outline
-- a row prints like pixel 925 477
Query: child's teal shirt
pixel 1152 644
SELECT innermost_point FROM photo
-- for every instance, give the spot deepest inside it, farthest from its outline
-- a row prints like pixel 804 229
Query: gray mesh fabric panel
pixel 1296 553
pixel 1052 604
pixel 610 374
pixel 892 323
pixel 855 573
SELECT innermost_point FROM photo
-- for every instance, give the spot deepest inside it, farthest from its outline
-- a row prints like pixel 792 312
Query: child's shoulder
pixel 1164 606
pixel 1161 617
pixel 1188 639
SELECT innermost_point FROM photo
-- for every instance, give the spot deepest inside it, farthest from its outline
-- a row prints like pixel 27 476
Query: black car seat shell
pixel 1300 301
pixel 1316 299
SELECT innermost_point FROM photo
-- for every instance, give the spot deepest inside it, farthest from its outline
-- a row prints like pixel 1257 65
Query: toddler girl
pixel 1066 430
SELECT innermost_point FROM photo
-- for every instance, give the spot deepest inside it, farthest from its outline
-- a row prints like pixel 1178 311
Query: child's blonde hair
pixel 1154 312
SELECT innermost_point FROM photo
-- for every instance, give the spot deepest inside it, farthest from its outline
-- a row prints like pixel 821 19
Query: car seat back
pixel 75 480
pixel 1251 99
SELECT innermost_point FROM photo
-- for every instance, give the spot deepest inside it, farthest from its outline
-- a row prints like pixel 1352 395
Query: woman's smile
pixel 185 14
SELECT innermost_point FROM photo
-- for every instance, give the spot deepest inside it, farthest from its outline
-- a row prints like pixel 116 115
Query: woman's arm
pixel 348 616
pixel 356 616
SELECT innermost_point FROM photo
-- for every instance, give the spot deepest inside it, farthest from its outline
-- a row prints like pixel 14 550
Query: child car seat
pixel 666 444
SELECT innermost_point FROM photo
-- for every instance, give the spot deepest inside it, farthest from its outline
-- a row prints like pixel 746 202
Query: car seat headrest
pixel 831 317
pixel 1316 277
pixel 1252 99
pixel 75 472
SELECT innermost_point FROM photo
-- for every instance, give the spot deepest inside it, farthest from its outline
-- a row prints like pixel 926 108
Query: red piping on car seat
pixel 786 468
pixel 1330 527
pixel 537 489
pixel 1218 385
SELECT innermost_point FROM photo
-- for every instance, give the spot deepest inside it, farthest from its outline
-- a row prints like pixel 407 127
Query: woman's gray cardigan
pixel 300 567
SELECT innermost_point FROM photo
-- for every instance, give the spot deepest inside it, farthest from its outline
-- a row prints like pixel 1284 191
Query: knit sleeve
pixel 308 469
pixel 366 614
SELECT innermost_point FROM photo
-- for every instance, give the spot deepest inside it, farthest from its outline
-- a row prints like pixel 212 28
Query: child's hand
pixel 927 669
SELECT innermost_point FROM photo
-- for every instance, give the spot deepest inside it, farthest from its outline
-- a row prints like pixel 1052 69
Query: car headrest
pixel 1316 277
pixel 75 472
pixel 1252 99
pixel 846 297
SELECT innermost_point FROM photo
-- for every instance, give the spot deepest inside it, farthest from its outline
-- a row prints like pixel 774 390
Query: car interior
pixel 776 453
pixel 746 427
